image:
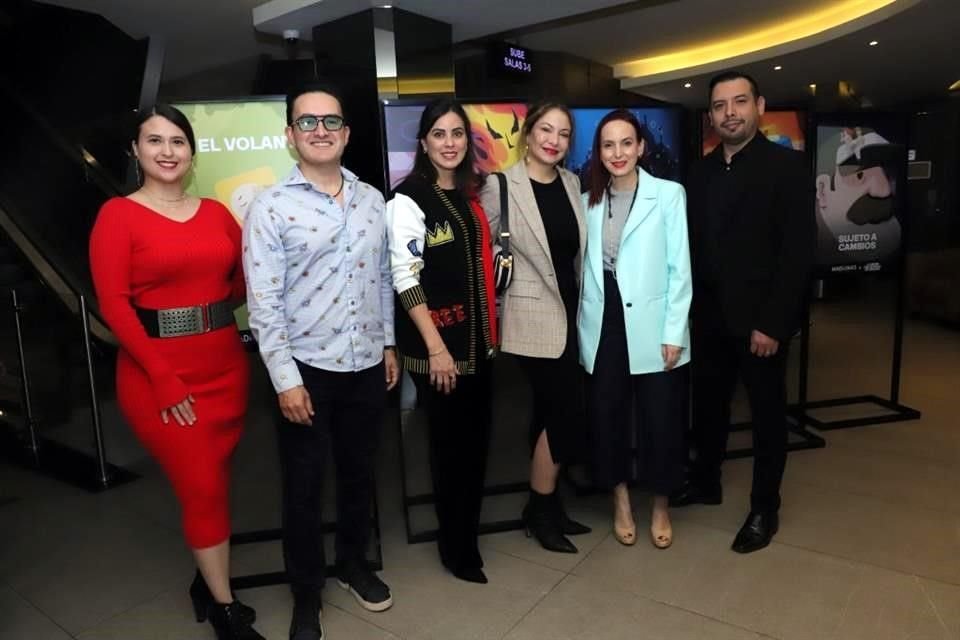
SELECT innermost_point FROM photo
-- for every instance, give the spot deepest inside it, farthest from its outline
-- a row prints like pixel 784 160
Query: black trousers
pixel 653 406
pixel 348 412
pixel 717 363
pixel 459 434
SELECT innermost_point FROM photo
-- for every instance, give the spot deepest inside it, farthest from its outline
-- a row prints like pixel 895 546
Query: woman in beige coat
pixel 547 238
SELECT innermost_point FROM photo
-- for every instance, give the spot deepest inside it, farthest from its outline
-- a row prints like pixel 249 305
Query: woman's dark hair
pixel 172 114
pixel 537 110
pixel 599 176
pixel 464 177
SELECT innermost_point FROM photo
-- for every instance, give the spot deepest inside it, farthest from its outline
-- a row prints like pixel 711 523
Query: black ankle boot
pixel 568 525
pixel 541 518
pixel 227 621
pixel 203 600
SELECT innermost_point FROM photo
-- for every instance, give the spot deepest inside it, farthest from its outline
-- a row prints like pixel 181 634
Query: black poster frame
pixel 895 411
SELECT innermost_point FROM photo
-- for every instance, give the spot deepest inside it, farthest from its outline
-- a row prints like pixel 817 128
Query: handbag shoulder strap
pixel 504 209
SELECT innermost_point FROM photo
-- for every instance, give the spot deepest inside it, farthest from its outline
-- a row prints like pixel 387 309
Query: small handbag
pixel 503 261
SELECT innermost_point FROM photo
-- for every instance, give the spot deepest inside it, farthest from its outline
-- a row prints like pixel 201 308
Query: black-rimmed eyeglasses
pixel 308 122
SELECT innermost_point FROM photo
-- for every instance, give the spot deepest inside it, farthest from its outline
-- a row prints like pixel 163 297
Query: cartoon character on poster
pixel 238 192
pixel 496 134
pixel 495 129
pixel 858 174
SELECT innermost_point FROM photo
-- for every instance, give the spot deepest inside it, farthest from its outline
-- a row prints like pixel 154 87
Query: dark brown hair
pixel 599 176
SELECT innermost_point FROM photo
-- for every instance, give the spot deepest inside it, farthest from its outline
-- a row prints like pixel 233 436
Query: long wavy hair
pixel 599 176
pixel 464 176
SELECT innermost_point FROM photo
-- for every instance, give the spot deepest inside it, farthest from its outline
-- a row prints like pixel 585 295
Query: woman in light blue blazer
pixel 633 328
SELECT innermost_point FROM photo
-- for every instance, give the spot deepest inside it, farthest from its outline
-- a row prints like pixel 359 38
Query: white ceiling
pixel 916 54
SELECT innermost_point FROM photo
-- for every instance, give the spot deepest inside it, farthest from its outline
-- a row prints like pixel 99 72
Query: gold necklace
pixel 179 200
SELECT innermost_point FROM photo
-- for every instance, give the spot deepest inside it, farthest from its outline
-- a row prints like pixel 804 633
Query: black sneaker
pixel 306 616
pixel 369 590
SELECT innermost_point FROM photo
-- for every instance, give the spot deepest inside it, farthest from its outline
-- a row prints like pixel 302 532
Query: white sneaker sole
pixel 369 606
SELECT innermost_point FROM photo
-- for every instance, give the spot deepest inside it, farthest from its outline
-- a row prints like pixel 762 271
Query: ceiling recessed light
pixel 777 68
pixel 874 43
pixel 687 85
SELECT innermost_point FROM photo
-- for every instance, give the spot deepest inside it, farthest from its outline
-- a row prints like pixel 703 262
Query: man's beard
pixel 735 138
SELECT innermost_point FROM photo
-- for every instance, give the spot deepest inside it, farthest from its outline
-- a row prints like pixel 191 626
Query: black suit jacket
pixel 753 235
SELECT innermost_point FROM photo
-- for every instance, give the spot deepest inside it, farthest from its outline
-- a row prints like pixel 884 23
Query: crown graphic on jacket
pixel 441 234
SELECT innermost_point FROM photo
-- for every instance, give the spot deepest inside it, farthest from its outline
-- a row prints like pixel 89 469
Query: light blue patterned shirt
pixel 319 288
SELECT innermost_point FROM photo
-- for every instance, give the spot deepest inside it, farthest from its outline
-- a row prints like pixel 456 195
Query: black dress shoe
pixel 756 532
pixel 695 493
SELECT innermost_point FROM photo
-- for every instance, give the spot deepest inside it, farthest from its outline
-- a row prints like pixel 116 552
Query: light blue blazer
pixel 653 274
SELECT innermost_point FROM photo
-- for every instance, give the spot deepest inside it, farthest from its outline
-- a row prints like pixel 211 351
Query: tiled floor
pixel 869 546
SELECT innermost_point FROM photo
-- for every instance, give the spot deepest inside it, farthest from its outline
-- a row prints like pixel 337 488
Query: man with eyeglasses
pixel 320 299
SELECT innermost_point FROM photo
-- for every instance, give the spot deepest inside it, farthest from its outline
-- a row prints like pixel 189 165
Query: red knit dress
pixel 140 258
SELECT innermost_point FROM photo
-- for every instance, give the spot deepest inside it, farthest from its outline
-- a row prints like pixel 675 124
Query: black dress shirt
pixel 753 234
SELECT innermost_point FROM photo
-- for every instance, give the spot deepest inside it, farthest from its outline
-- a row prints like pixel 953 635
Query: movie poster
pixel 786 128
pixel 241 150
pixel 860 192
pixel 661 156
pixel 495 128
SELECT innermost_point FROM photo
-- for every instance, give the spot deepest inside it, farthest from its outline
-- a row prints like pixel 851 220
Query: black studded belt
pixel 187 321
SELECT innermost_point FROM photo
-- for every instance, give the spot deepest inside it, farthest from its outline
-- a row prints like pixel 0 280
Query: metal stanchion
pixel 103 477
pixel 33 444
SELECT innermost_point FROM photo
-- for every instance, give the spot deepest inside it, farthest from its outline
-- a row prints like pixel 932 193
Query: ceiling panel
pixel 915 59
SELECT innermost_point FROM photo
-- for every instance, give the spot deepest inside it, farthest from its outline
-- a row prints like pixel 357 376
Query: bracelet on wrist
pixel 437 353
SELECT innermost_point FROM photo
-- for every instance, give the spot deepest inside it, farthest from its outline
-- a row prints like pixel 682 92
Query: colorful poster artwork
pixel 495 128
pixel 662 152
pixel 860 204
pixel 241 150
pixel 786 128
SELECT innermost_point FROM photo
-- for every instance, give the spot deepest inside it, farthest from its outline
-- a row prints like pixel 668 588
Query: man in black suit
pixel 753 232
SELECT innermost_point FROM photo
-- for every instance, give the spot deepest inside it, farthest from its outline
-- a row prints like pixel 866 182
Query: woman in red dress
pixel 167 271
